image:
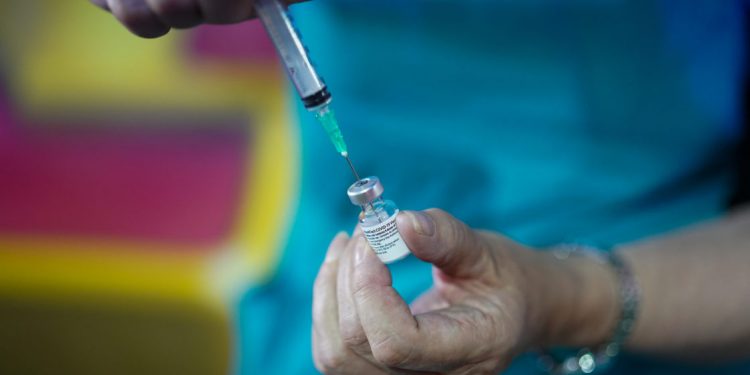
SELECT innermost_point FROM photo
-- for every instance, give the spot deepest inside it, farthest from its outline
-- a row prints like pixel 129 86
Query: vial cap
pixel 365 190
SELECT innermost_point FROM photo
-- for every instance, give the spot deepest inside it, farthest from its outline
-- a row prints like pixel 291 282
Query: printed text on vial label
pixel 386 241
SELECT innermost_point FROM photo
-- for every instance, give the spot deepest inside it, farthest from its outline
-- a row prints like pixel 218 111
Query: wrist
pixel 575 301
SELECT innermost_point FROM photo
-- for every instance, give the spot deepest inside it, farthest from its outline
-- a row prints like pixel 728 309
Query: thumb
pixel 438 238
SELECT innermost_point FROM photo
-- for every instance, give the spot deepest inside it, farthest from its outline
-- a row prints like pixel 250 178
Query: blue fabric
pixel 596 121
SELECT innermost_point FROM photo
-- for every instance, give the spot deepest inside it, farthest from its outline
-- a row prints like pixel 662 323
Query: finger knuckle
pixel 166 7
pixel 135 16
pixel 225 11
pixel 352 335
pixel 393 351
pixel 439 213
pixel 451 231
pixel 458 232
pixel 361 288
pixel 140 21
pixel 329 361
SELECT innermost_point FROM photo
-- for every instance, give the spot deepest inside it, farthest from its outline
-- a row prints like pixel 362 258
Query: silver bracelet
pixel 587 360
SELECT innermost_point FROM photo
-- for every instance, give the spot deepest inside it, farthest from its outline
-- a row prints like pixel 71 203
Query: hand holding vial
pixel 491 300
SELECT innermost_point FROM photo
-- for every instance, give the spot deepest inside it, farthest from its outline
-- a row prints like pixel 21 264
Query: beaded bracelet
pixel 588 361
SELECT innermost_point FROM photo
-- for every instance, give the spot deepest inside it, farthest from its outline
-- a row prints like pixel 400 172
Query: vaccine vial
pixel 378 219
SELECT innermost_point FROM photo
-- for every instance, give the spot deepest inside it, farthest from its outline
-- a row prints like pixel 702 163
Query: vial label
pixel 385 239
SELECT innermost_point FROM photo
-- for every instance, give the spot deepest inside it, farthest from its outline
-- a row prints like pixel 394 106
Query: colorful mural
pixel 143 186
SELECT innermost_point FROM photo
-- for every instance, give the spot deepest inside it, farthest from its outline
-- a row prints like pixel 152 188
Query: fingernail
pixel 360 250
pixel 422 223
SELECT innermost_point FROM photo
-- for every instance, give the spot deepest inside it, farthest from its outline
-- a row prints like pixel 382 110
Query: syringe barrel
pixel 293 53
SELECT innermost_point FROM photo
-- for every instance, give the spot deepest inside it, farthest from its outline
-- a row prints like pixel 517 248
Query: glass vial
pixel 378 219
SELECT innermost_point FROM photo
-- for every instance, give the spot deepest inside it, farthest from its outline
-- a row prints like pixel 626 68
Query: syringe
pixel 309 85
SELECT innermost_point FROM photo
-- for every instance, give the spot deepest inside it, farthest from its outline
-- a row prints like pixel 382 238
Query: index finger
pixel 431 341
pixel 349 325
pixel 329 351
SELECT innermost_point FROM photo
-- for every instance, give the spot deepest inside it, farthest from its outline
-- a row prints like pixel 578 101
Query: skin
pixel 484 308
pixel 154 18
pixel 493 298
pixel 696 291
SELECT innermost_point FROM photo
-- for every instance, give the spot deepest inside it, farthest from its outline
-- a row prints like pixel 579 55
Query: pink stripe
pixel 179 184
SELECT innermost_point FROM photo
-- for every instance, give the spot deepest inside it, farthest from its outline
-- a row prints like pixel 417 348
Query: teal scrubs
pixel 594 121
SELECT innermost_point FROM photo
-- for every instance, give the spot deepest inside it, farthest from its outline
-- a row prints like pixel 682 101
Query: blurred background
pixel 146 186
pixel 135 184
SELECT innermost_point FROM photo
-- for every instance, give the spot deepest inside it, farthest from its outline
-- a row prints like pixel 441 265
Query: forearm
pixel 695 287
pixel 695 294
